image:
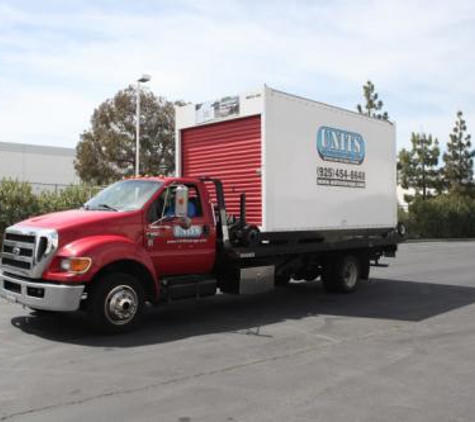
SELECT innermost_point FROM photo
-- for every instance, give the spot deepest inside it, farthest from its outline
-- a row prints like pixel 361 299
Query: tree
pixel 106 151
pixel 417 168
pixel 458 168
pixel 373 103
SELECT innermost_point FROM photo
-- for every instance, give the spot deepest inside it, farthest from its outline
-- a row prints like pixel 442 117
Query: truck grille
pixel 18 252
pixel 16 264
pixel 23 251
pixel 20 238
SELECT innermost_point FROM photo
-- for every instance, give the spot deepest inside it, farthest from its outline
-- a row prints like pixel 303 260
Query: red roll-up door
pixel 231 152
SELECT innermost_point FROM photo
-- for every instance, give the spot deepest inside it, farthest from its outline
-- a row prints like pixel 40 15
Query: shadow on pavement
pixel 378 298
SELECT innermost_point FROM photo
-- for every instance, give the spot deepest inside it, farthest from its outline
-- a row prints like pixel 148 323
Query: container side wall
pixel 348 181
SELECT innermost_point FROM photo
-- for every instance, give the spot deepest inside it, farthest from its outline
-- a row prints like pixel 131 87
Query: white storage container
pixel 304 165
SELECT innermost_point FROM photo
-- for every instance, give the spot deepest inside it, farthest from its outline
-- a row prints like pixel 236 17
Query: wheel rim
pixel 121 305
pixel 350 274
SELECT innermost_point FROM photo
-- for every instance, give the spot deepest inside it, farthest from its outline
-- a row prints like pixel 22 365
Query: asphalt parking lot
pixel 401 348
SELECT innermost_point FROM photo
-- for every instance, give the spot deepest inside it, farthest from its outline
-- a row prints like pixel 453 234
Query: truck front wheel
pixel 116 303
pixel 341 274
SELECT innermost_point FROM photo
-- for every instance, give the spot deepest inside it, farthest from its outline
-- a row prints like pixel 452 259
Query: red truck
pixel 163 239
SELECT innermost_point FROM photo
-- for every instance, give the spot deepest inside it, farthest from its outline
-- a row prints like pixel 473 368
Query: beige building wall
pixel 43 166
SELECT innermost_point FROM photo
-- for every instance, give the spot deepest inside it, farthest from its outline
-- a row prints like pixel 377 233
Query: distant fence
pixel 58 187
pixel 21 200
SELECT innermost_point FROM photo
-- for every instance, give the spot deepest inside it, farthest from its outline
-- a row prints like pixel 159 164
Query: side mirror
pixel 181 202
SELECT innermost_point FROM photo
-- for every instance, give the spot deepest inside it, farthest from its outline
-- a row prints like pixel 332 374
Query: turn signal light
pixel 76 265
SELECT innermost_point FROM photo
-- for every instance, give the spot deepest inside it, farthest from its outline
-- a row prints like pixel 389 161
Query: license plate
pixel 10 297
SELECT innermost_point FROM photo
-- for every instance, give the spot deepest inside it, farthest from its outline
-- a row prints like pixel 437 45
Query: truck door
pixel 175 250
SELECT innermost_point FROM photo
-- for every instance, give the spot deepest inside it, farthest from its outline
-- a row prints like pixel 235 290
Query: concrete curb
pixel 440 240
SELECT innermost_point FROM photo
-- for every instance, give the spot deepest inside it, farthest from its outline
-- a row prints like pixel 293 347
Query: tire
pixel 311 276
pixel 253 237
pixel 342 274
pixel 401 229
pixel 116 303
pixel 282 280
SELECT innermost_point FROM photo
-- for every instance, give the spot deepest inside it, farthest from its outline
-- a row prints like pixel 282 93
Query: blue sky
pixel 60 59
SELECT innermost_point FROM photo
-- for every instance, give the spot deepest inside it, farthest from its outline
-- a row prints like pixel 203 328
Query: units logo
pixel 340 146
pixel 193 231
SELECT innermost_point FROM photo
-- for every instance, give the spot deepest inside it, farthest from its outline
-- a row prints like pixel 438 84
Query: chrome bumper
pixel 45 296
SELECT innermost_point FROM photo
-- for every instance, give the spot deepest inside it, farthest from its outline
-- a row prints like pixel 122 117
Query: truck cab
pixel 133 235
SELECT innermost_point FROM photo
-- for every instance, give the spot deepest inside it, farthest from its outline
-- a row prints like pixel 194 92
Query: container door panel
pixel 230 151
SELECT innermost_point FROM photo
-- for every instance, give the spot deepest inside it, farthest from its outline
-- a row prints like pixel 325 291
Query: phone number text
pixel 335 176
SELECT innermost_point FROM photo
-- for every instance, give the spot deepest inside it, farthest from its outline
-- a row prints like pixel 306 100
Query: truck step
pixel 189 286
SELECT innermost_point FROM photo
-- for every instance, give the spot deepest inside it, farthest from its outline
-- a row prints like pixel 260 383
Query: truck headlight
pixel 75 265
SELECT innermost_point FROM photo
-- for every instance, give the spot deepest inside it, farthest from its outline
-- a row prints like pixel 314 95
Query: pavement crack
pixel 164 383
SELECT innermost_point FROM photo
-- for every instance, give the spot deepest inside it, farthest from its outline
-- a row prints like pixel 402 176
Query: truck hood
pixel 74 219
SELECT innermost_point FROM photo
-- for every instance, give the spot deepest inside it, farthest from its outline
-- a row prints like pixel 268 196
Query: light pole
pixel 143 79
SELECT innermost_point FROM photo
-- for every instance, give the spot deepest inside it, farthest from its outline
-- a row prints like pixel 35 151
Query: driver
pixel 170 206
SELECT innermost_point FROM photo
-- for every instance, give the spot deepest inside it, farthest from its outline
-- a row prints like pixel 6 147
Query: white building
pixel 44 167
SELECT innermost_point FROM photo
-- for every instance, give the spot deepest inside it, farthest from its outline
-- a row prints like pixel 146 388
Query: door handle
pixel 160 228
pixel 159 232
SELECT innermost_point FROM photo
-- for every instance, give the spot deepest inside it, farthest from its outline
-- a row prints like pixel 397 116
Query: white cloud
pixel 62 63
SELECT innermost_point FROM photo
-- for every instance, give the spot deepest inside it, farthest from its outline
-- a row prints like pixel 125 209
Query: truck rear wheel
pixel 116 303
pixel 342 274
pixel 364 267
pixel 282 280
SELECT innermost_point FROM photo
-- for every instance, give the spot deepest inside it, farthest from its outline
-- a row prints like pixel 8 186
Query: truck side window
pixel 165 204
pixel 194 202
pixel 156 210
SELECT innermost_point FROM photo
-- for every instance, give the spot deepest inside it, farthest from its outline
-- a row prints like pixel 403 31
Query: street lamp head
pixel 144 78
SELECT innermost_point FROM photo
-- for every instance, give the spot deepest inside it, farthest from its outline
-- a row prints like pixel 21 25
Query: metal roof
pixel 37 149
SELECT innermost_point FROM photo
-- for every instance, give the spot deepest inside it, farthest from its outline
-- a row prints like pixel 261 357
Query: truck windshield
pixel 127 195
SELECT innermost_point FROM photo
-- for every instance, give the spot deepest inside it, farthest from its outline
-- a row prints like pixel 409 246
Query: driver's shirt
pixel 170 211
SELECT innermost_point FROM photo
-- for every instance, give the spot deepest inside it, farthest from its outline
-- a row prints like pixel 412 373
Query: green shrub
pixel 445 216
pixel 17 202
pixel 69 198
pixel 74 196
